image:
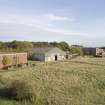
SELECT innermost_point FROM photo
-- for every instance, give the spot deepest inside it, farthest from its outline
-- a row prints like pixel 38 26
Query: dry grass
pixel 80 81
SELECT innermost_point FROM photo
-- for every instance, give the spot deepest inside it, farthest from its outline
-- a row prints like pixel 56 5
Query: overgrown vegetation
pixel 80 81
pixel 22 90
pixel 20 46
pixel 76 50
pixel 7 60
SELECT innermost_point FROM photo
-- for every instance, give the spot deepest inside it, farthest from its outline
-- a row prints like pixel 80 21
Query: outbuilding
pixel 48 54
pixel 98 52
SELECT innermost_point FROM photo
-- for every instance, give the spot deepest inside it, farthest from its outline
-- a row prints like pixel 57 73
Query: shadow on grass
pixel 7 97
pixel 5 93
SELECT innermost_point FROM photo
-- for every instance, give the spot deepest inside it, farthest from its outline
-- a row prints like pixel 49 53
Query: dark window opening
pixel 67 56
pixel 56 57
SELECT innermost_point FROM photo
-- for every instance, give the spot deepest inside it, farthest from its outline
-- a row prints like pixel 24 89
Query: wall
pixel 39 57
pixel 17 58
pixel 51 57
pixel 94 51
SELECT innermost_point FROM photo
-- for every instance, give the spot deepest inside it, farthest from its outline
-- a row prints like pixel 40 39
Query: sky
pixel 74 21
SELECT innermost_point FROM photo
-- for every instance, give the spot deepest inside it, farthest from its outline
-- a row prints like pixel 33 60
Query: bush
pixel 76 50
pixel 22 90
pixel 7 60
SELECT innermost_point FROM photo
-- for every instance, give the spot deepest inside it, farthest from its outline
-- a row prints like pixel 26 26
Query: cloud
pixel 13 28
pixel 16 24
pixel 53 17
pixel 42 27
pixel 66 32
pixel 42 19
pixel 42 22
pixel 10 32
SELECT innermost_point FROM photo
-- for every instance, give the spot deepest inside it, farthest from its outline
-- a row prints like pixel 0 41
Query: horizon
pixel 9 41
pixel 80 22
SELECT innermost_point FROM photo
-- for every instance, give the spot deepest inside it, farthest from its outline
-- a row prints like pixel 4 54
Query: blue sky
pixel 74 21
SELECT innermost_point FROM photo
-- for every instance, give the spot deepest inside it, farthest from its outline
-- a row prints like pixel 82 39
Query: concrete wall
pixel 94 51
pixel 50 57
pixel 46 54
pixel 90 51
pixel 38 57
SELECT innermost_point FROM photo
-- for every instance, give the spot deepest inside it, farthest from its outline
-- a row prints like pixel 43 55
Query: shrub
pixel 22 90
pixel 76 50
pixel 7 60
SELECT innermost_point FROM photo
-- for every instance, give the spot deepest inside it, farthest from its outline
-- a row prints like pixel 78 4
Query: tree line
pixel 20 46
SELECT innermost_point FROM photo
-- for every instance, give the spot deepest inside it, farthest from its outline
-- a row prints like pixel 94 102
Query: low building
pixel 48 54
pixel 70 55
pixel 94 51
pixel 12 59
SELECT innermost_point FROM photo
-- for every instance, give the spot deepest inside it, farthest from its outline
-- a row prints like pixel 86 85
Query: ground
pixel 80 81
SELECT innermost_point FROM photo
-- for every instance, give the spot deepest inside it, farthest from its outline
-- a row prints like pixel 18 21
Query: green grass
pixel 80 81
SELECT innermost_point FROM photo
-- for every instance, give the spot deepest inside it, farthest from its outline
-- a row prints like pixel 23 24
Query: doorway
pixel 56 57
pixel 67 56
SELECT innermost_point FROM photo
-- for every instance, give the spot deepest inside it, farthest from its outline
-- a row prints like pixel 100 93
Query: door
pixel 56 57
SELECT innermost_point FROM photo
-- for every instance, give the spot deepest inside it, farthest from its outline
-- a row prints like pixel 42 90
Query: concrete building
pixel 94 51
pixel 48 54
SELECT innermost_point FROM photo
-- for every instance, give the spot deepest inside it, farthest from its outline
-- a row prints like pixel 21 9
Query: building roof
pixel 45 50
pixel 42 50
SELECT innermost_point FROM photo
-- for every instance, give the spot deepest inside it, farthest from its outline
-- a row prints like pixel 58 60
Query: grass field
pixel 80 81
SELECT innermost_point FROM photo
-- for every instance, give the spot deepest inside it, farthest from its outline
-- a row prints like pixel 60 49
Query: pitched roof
pixel 42 50
pixel 45 50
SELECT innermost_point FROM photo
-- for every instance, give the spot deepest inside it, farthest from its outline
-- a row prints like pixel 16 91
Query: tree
pixel 41 44
pixel 53 44
pixel 76 50
pixel 3 46
pixel 64 46
pixel 21 45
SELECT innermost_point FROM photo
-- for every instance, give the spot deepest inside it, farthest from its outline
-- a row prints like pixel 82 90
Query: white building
pixel 48 54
